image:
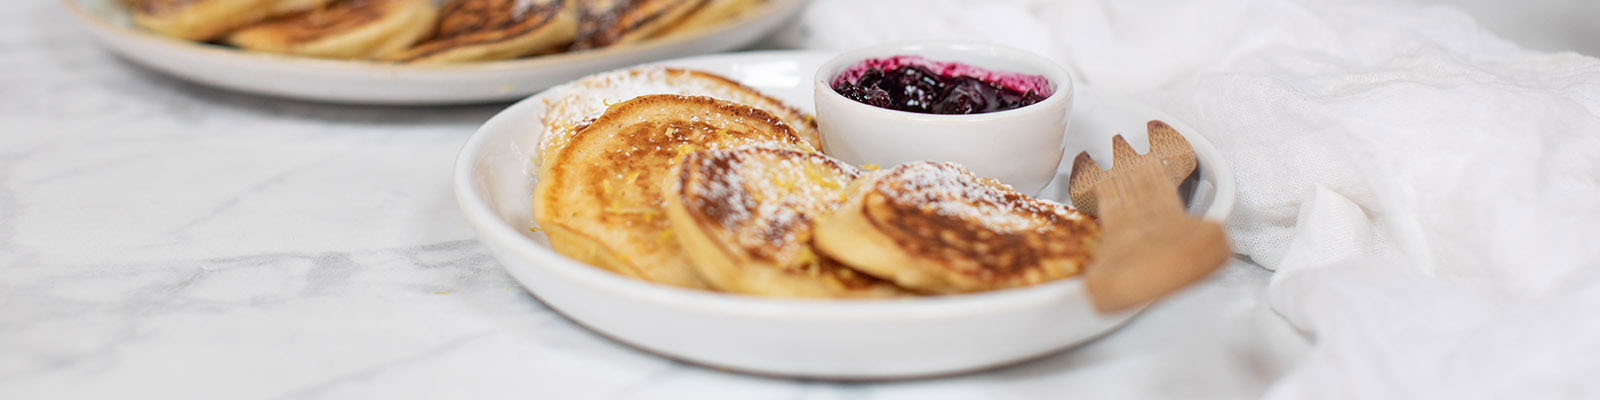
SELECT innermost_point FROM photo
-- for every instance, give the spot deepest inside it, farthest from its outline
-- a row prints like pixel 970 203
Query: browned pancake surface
pixel 977 227
pixel 311 25
pixel 157 7
pixel 576 104
pixel 764 215
pixel 605 187
pixel 473 22
pixel 764 200
pixel 605 22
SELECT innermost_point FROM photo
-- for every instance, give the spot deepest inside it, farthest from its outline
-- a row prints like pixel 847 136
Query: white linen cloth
pixel 1428 193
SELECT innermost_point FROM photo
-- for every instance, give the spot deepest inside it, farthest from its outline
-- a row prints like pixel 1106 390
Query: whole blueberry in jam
pixel 916 88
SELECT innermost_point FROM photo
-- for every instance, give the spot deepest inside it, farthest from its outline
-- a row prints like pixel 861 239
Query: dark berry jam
pixel 915 84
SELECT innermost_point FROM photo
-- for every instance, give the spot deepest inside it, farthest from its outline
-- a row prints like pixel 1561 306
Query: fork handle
pixel 1150 248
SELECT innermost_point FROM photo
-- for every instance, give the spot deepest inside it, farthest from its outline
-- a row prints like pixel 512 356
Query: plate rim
pixel 774 9
pixel 491 227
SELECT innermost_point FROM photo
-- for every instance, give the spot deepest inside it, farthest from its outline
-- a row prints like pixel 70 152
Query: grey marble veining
pixel 160 239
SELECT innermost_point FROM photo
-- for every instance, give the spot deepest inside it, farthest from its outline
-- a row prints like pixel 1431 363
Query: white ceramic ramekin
pixel 1020 147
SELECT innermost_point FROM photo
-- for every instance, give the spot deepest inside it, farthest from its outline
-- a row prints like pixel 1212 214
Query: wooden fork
pixel 1150 247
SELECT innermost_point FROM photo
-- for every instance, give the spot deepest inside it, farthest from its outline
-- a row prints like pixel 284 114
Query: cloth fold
pixel 1428 193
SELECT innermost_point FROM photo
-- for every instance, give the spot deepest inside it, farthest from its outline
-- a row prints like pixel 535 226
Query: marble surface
pixel 160 239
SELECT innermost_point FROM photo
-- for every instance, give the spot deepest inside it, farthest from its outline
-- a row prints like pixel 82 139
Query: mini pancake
pixel 575 105
pixel 611 22
pixel 714 13
pixel 599 199
pixel 935 227
pixel 285 7
pixel 744 216
pixel 209 19
pixel 486 30
pixel 361 29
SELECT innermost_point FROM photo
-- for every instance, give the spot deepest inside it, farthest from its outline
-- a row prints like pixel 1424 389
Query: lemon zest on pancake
pixel 784 182
pixel 811 173
pixel 683 150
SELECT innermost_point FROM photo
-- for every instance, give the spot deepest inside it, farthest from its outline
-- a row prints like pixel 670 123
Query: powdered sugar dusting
pixel 947 189
pixel 976 230
pixel 766 198
pixel 521 7
pixel 578 103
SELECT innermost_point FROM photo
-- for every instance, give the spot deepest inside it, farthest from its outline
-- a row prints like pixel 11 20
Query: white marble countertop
pixel 160 239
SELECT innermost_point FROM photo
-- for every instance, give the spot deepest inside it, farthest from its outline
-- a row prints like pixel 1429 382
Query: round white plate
pixel 382 83
pixel 835 339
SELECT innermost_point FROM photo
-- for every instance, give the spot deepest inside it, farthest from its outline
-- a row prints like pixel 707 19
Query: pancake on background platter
pixel 209 19
pixel 486 30
pixel 351 29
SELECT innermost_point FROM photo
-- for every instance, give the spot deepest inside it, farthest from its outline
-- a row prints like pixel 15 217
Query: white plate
pixel 838 339
pixel 381 83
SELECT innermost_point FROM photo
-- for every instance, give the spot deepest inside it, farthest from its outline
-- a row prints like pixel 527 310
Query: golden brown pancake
pixel 576 104
pixel 285 7
pixel 744 216
pixel 714 13
pixel 599 199
pixel 484 30
pixel 362 29
pixel 207 19
pixel 935 227
pixel 610 22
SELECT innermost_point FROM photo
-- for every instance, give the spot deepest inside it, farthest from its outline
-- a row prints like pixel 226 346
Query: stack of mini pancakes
pixel 689 179
pixel 419 31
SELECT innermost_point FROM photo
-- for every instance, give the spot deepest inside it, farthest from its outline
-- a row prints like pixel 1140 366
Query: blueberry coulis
pixel 916 85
